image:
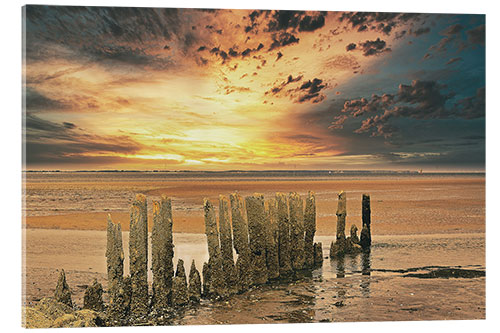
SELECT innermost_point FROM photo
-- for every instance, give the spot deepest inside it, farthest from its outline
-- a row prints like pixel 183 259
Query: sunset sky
pixel 187 89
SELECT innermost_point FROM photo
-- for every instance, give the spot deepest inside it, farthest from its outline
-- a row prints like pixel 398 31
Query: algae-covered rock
pixel 33 318
pixel 92 299
pixel 52 308
pixel 63 293
pixel 354 234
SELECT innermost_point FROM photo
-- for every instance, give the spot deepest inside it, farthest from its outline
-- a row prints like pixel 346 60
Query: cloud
pixel 53 143
pixel 310 91
pixel 420 31
pixel 283 20
pixel 382 22
pixel 476 35
pixel 350 47
pixel 419 100
pixel 283 39
pixel 374 47
pixel 474 106
pixel 453 60
pixel 305 92
pixel 36 101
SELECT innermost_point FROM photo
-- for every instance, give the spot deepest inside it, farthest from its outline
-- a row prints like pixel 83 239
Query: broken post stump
pixel 256 229
pixel 62 293
pixel 194 288
pixel 92 299
pixel 138 252
pixel 366 237
pixel 179 286
pixel 318 254
pixel 162 254
pixel 342 244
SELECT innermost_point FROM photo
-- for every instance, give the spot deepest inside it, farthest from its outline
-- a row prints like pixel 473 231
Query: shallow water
pixel 359 288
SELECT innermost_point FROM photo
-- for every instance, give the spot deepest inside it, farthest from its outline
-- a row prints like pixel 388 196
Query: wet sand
pixel 399 205
pixel 419 224
pixel 336 292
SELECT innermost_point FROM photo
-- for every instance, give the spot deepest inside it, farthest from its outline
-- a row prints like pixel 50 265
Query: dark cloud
pixel 109 35
pixel 69 125
pixel 36 101
pixel 54 143
pixel 291 20
pixel 374 47
pixel 419 100
pixel 476 35
pixel 311 23
pixel 350 47
pixel 276 89
pixel 283 39
pixel 452 30
pixel 474 106
pixel 310 91
pixel 420 31
pixel 382 22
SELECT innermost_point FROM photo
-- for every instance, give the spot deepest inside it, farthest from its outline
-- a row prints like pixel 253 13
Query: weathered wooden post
pixel 138 250
pixel 366 237
pixel 339 247
pixel 283 235
pixel 217 283
pixel 318 254
pixel 194 288
pixel 241 243
pixel 271 228
pixel 62 293
pixel 179 286
pixel 92 299
pixel 256 229
pixel 341 215
pixel 119 300
pixel 310 229
pixel 162 253
pixel 296 206
pixel 226 244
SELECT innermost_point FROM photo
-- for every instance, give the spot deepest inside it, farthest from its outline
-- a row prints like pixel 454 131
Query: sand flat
pixel 404 205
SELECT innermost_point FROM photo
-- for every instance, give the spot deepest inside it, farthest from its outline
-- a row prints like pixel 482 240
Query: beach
pixel 419 225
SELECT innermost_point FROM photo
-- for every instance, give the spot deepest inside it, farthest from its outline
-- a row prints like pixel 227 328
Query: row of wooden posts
pixel 273 239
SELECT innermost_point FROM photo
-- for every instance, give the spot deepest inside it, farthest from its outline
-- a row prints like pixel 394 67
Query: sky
pixel 189 89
